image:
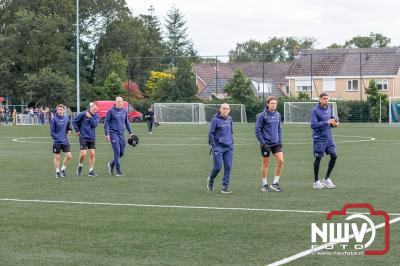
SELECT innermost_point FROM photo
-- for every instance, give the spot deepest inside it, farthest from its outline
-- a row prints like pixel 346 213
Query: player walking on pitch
pixel 60 127
pixel 85 124
pixel 269 134
pixel 114 127
pixel 220 137
pixel 321 122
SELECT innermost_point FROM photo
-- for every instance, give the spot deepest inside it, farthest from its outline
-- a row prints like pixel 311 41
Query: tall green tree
pixel 113 61
pixel 377 100
pixel 240 89
pixel 139 44
pixel 40 34
pixel 185 79
pixel 177 40
pixel 32 40
pixel 113 86
pixel 274 50
pixel 49 87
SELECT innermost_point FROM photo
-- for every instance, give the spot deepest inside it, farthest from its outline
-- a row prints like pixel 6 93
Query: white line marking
pixel 363 139
pixel 170 206
pixel 313 250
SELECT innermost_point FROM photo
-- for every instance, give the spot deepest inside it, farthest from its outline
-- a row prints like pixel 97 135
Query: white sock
pixel 90 169
pixel 265 182
pixel 80 164
pixel 58 170
pixel 63 167
pixel 276 179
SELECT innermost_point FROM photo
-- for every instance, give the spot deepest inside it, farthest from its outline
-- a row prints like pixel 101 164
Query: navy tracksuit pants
pixel 225 156
pixel 118 145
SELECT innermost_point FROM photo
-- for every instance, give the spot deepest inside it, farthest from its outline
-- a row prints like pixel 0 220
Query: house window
pixel 382 84
pixel 329 85
pixel 303 84
pixel 352 85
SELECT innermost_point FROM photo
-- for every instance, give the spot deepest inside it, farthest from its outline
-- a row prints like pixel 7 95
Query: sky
pixel 216 26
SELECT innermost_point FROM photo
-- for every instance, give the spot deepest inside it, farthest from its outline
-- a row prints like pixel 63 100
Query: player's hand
pixel 335 123
pixel 331 121
pixel 69 132
pixel 108 138
pixel 78 134
pixel 88 115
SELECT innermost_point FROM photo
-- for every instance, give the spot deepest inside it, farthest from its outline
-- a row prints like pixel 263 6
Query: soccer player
pixel 85 124
pixel 60 127
pixel 114 127
pixel 220 137
pixel 150 120
pixel 269 135
pixel 321 122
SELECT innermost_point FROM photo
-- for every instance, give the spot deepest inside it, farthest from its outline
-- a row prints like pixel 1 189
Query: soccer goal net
pixel 238 112
pixel 299 112
pixel 179 112
pixel 394 110
pixel 195 112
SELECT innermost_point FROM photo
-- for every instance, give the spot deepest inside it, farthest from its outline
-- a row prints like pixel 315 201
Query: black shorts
pixel 57 148
pixel 87 144
pixel 273 148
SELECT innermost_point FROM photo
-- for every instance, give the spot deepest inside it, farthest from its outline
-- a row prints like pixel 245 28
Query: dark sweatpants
pixel 118 145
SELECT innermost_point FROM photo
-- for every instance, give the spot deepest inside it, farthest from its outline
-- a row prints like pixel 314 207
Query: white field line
pixel 321 247
pixel 363 139
pixel 169 206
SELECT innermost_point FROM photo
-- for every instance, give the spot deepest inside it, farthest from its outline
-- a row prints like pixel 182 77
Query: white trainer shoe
pixel 328 183
pixel 318 185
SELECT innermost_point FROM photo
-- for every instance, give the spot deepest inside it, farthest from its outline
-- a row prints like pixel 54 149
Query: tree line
pixel 38 47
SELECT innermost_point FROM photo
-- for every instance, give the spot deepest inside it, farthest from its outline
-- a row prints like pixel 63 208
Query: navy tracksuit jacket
pixel 115 124
pixel 220 137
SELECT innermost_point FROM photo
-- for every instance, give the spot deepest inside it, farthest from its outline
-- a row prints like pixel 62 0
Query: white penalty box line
pixel 170 206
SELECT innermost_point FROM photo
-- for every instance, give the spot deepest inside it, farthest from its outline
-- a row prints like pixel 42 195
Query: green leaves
pixel 240 89
pixel 113 86
pixel 274 50
pixel 48 87
pixel 178 43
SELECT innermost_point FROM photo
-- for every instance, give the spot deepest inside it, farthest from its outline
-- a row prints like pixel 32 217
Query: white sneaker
pixel 318 185
pixel 328 183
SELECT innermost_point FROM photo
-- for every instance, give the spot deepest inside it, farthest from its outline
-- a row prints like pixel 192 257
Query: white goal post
pixel 194 113
pixel 299 112
pixel 237 112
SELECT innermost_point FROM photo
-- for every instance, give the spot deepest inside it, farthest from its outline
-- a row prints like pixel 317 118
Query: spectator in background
pixel 7 114
pixel 1 114
pixel 14 116
pixel 47 113
pixel 36 115
pixel 41 116
pixel 31 114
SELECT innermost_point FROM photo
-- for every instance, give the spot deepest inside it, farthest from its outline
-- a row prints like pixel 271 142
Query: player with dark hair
pixel 150 120
pixel 114 127
pixel 269 134
pixel 220 137
pixel 60 127
pixel 321 122
pixel 85 124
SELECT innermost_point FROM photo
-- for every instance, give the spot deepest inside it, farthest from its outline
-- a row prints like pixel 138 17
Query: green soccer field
pixel 161 214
